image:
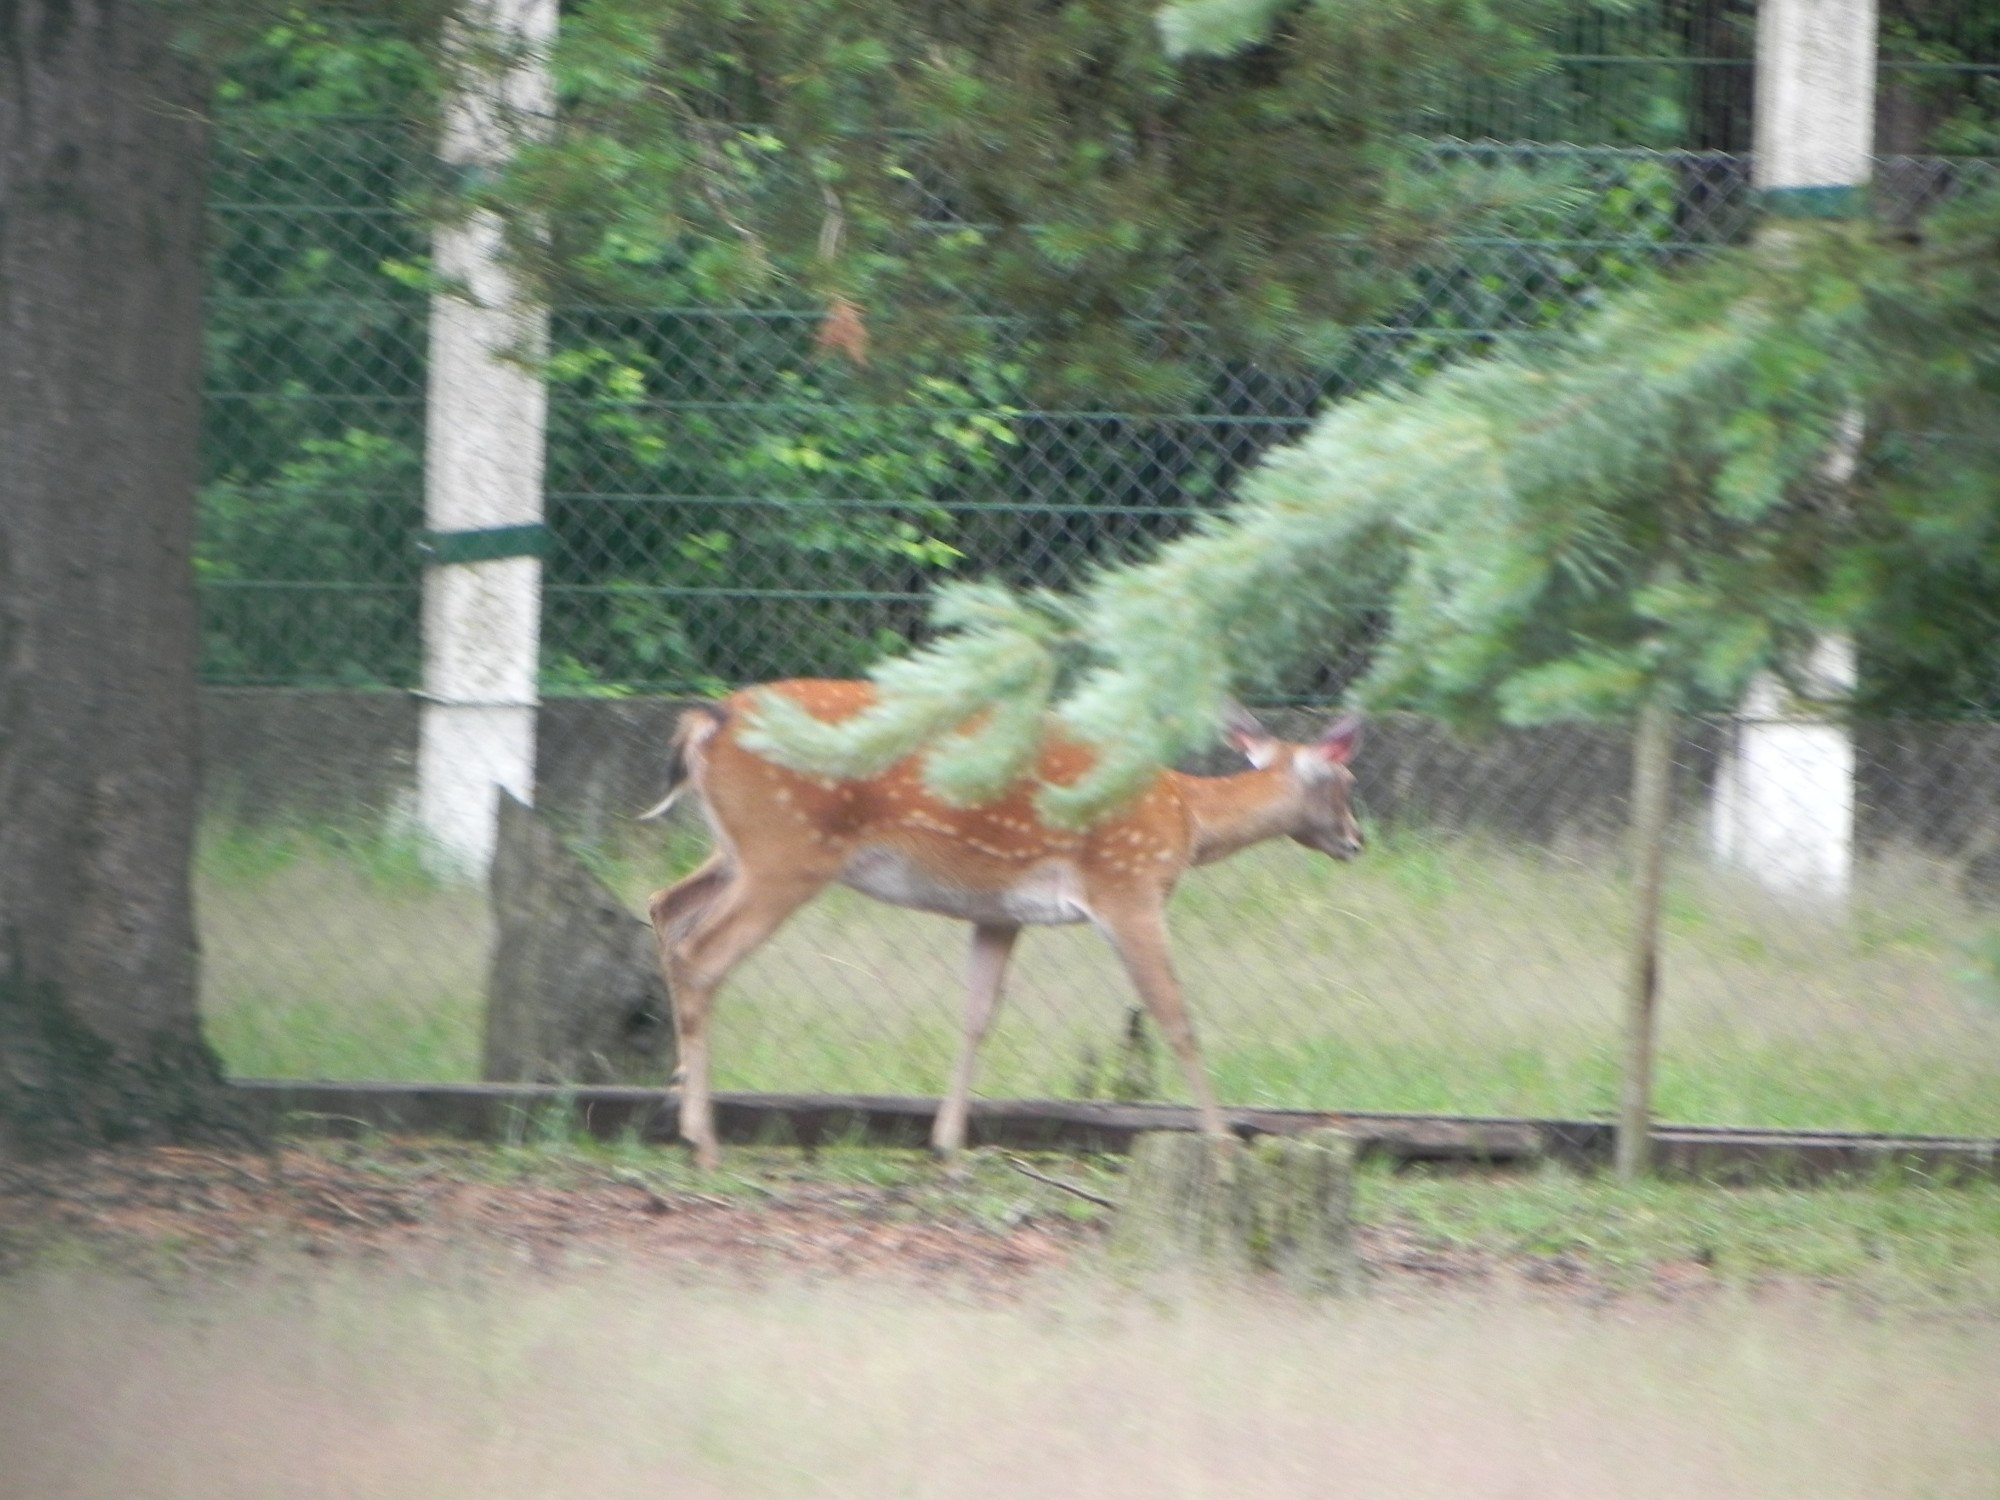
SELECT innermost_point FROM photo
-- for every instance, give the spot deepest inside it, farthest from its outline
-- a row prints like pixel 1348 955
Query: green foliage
pixel 687 468
pixel 1140 215
pixel 1019 211
pixel 1924 51
pixel 340 513
pixel 315 377
pixel 1926 587
pixel 1637 509
pixel 1002 639
pixel 687 461
pixel 332 62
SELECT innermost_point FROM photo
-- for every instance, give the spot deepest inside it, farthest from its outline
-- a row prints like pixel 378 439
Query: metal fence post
pixel 483 460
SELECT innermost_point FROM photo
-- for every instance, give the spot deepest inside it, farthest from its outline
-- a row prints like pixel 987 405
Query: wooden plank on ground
pixel 1755 1156
pixel 493 1111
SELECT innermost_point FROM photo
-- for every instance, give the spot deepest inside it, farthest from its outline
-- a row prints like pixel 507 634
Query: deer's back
pixel 894 838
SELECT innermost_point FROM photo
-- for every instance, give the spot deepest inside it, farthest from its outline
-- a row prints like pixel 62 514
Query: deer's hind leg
pixel 681 903
pixel 673 912
pixel 705 926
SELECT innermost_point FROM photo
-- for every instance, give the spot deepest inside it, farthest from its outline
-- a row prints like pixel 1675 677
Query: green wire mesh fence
pixel 315 405
pixel 728 504
pixel 725 502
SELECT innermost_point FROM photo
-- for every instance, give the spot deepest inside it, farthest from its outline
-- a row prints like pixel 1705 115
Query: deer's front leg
pixel 1138 930
pixel 986 971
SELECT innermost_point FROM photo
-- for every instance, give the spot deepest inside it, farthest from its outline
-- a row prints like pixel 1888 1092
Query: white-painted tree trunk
pixel 1783 807
pixel 1815 125
pixel 483 458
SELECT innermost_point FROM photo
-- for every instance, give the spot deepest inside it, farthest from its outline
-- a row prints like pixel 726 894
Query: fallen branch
pixel 1056 1182
pixel 331 1201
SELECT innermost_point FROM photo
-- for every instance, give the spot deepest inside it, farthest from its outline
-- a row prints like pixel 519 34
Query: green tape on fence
pixel 1837 201
pixel 487 544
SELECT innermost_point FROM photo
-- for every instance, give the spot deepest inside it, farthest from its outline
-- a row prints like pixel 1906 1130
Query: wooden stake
pixel 1652 807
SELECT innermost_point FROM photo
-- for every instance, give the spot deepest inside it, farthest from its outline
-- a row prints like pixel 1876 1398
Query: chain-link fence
pixel 726 504
pixel 1469 961
pixel 307 561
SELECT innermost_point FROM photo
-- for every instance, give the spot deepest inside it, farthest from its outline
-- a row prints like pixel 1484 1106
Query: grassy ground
pixel 388 1387
pixel 594 1318
pixel 1893 1244
pixel 1542 1334
pixel 330 956
pixel 1888 1243
pixel 1881 1244
pixel 1833 1344
pixel 1450 974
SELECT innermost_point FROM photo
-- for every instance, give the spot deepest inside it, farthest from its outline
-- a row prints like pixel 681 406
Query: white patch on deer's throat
pixel 1047 894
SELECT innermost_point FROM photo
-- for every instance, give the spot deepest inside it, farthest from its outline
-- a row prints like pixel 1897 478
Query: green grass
pixel 330 956
pixel 1885 1242
pixel 1450 974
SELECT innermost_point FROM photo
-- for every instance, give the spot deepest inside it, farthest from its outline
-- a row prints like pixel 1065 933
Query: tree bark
pixel 1279 1204
pixel 575 994
pixel 1652 815
pixel 103 167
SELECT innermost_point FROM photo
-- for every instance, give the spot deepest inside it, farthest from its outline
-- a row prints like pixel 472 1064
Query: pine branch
pixel 1637 510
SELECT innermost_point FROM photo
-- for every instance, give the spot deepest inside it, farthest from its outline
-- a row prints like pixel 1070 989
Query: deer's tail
pixel 696 728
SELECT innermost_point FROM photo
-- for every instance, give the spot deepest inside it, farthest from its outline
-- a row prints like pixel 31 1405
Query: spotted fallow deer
pixel 783 836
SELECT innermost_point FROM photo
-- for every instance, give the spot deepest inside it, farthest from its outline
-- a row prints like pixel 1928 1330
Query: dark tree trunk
pixel 103 161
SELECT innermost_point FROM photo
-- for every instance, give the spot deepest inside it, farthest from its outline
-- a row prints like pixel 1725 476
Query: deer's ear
pixel 1341 740
pixel 1241 729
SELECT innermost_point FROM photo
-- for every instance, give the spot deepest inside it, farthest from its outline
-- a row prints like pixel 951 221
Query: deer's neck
pixel 1229 813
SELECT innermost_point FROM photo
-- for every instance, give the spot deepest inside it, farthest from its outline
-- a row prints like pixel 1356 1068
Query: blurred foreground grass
pixel 364 1381
pixel 1450 974
pixel 1589 1339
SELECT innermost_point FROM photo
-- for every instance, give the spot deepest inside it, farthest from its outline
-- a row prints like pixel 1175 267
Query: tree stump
pixel 575 994
pixel 1283 1204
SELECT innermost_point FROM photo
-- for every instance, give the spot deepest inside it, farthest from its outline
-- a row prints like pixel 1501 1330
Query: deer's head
pixel 1318 769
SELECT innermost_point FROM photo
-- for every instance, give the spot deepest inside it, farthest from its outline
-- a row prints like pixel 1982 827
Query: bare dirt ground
pixel 161 1209
pixel 208 1208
